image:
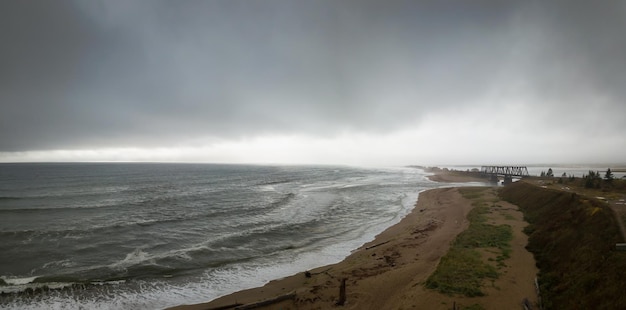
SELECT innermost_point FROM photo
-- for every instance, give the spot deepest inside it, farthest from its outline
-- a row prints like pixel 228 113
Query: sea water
pixel 148 236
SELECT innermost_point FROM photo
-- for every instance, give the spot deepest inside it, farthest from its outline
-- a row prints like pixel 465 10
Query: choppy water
pixel 133 236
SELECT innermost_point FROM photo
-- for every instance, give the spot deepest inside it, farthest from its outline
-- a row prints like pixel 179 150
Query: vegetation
pixel 601 180
pixel 462 269
pixel 573 239
pixel 592 180
pixel 608 176
pixel 548 174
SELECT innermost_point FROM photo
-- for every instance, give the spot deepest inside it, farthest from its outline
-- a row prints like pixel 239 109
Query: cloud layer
pixel 155 74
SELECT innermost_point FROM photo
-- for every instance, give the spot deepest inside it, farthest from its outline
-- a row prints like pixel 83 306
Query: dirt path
pixel 517 277
pixel 619 209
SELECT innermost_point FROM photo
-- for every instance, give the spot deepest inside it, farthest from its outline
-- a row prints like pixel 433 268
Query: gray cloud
pixel 120 73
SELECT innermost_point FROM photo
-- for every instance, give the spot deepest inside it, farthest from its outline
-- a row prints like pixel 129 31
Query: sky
pixel 313 82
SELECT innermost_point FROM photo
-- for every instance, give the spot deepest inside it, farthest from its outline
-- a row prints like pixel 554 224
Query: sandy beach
pixel 389 272
pixel 448 176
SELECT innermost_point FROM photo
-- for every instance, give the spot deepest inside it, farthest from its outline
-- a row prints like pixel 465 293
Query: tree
pixel 592 180
pixel 608 176
pixel 550 173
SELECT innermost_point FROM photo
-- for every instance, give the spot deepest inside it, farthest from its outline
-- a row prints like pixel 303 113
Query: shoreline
pixel 450 176
pixel 389 272
pixel 380 272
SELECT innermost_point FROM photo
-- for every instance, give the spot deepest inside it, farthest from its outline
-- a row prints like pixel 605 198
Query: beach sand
pixel 389 272
pixel 455 177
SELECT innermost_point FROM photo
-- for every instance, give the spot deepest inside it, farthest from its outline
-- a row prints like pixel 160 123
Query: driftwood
pixel 526 304
pixel 225 307
pixel 539 301
pixel 267 302
pixel 342 293
pixel 375 245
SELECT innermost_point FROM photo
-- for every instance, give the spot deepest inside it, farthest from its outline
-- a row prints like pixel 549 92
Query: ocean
pixel 149 236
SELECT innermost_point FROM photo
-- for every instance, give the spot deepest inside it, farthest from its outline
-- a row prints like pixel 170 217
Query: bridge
pixel 508 172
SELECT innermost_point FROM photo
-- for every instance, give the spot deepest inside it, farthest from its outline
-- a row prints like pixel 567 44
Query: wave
pixel 41 285
pixel 140 199
pixel 10 198
pixel 275 182
pixel 165 216
pixel 277 203
pixel 63 207
pixel 77 233
pixel 143 263
pixel 82 280
pixel 135 266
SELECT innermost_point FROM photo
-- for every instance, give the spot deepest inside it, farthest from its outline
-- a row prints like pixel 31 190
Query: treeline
pixel 594 179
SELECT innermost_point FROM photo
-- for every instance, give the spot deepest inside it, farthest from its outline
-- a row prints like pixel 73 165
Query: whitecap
pixel 18 281
pixel 135 257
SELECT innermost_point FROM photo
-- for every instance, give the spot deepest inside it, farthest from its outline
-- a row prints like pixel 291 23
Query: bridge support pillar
pixel 494 178
pixel 507 179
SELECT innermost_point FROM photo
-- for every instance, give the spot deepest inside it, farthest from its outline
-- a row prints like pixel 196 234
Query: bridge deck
pixel 520 171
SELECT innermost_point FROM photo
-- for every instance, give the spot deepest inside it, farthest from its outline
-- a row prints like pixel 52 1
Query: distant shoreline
pixel 449 176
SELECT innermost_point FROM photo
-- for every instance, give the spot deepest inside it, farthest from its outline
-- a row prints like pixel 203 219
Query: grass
pixel 573 240
pixel 509 217
pixel 473 193
pixel 462 270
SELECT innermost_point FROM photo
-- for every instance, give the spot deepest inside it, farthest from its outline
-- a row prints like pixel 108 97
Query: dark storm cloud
pixel 129 73
pixel 571 61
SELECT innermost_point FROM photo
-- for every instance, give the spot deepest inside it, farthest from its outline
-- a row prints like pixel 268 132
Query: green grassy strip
pixel 462 270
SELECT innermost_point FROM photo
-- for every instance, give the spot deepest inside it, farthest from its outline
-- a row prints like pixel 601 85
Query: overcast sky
pixel 332 82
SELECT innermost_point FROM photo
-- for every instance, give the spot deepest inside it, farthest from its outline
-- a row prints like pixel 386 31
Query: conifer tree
pixel 608 176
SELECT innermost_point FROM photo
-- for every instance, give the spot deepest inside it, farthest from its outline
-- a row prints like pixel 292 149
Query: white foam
pixel 18 281
pixel 60 263
pixel 267 188
pixel 133 258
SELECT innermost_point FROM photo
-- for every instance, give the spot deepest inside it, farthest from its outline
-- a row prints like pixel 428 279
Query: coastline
pixel 450 176
pixel 389 272
pixel 382 273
